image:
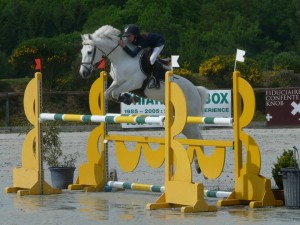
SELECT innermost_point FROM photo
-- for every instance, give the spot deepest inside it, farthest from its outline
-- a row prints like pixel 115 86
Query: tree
pixel 286 61
pixel 219 70
pixel 196 30
pixel 57 55
pixel 13 24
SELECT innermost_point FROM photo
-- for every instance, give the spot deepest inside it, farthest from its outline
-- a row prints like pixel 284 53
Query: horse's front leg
pixel 119 93
pixel 108 93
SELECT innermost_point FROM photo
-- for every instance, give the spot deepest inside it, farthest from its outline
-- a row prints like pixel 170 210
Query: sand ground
pixel 129 206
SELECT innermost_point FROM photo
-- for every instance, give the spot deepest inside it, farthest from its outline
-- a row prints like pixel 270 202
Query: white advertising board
pixel 218 104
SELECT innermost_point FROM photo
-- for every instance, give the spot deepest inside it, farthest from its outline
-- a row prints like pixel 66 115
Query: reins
pixel 105 56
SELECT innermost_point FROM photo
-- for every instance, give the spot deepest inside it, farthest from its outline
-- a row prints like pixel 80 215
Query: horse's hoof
pixel 198 170
pixel 136 99
pixel 127 101
pixel 113 175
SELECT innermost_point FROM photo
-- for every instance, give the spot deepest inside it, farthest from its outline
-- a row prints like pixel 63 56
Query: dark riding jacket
pixel 150 40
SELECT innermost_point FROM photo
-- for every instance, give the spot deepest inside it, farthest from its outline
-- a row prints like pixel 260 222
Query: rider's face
pixel 130 38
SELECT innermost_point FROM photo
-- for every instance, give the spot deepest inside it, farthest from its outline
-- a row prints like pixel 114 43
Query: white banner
pixel 146 107
pixel 218 104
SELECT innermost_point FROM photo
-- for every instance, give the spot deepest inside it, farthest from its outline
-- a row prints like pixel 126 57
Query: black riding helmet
pixel 131 29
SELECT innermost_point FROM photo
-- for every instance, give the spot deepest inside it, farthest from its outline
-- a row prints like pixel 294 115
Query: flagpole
pixel 234 65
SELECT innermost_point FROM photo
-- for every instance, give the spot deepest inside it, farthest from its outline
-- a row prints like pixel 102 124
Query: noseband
pixel 89 65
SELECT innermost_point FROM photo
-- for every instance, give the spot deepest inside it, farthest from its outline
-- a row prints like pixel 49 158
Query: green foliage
pixel 56 54
pixel 93 22
pixel 283 78
pixel 286 61
pixel 51 148
pixel 51 145
pixel 195 30
pixel 5 69
pixel 47 49
pixel 284 161
pixel 14 27
pixel 219 70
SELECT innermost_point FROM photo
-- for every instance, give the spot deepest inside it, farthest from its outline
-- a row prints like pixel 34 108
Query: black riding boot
pixel 154 79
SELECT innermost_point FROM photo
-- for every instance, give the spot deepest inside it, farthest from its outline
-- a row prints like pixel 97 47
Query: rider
pixel 143 40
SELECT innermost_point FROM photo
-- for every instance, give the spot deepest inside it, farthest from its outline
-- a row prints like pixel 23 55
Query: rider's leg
pixel 155 53
pixel 157 75
pixel 154 80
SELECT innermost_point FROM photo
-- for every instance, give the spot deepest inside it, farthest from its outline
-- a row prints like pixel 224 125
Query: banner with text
pixel 283 106
pixel 218 104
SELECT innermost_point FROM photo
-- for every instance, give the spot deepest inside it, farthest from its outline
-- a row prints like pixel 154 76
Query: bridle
pixel 89 65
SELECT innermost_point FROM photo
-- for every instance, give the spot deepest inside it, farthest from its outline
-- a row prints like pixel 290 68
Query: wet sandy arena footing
pixel 129 207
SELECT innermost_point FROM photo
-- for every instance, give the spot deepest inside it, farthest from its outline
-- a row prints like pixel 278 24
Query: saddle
pixel 155 73
pixel 160 65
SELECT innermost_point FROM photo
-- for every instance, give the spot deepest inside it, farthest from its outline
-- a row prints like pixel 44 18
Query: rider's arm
pixel 134 52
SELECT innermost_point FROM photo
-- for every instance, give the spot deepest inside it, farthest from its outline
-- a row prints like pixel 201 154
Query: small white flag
pixel 174 59
pixel 240 55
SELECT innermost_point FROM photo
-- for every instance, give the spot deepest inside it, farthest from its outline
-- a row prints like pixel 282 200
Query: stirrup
pixel 152 83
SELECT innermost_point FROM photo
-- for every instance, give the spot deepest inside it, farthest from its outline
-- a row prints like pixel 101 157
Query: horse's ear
pixel 90 37
pixel 82 37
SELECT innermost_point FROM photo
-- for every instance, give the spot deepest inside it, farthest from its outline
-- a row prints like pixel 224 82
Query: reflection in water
pixel 94 207
pixel 125 207
pixel 243 213
pixel 29 203
pixel 264 214
pixel 175 214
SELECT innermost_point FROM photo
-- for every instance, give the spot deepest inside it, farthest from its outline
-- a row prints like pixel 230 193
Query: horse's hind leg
pixel 193 131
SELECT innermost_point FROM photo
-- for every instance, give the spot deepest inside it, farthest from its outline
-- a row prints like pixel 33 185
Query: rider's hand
pixel 121 42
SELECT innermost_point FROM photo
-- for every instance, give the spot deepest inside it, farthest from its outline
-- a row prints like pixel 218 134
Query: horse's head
pixel 102 42
pixel 91 56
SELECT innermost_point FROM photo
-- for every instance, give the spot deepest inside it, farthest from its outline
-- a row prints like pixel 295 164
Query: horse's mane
pixel 108 31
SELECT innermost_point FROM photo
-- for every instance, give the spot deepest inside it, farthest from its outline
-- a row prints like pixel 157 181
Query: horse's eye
pixel 89 52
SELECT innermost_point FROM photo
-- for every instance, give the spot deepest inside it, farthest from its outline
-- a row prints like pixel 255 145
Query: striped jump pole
pixel 195 119
pixel 155 188
pixel 110 118
pixel 210 120
pixel 135 186
pixel 131 118
pixel 217 194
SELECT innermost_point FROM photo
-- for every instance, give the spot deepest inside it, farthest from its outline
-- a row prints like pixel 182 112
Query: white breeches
pixel 155 53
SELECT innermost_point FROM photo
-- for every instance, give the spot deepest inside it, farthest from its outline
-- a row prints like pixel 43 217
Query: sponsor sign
pixel 146 107
pixel 283 106
pixel 218 104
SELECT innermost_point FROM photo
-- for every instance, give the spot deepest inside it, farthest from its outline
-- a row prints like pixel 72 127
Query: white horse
pixel 128 76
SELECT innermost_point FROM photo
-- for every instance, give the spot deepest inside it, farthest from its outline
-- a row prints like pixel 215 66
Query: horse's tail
pixel 203 95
